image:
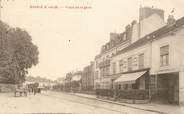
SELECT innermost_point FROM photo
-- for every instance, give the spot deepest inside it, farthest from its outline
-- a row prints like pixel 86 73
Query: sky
pixel 68 39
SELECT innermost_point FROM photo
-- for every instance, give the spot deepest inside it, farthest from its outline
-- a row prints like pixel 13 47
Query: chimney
pixel 150 19
pixel 171 20
pixel 145 12
pixel 113 36
pixel 128 30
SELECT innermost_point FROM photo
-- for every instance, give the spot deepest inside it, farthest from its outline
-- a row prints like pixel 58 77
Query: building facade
pixel 106 65
pixel 167 63
pixel 150 60
pixel 73 81
pixel 88 77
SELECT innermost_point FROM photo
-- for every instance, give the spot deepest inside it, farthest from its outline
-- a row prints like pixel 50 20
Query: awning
pixel 129 78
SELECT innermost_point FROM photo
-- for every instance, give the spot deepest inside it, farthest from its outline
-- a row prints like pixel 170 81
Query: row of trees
pixel 17 54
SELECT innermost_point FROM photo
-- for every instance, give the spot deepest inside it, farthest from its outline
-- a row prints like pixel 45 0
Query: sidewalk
pixel 153 107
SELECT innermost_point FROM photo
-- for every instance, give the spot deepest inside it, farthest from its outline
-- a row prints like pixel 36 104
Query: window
pixel 96 64
pixel 125 86
pixel 121 65
pixel 119 86
pixel 107 70
pixel 141 61
pixel 96 75
pixel 164 55
pixel 103 69
pixel 101 72
pixel 130 64
pixel 129 86
pixel 114 68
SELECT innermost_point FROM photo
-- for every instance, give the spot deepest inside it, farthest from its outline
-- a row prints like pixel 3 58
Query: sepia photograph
pixel 91 57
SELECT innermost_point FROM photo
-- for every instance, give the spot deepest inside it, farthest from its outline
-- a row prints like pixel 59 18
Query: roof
pixel 154 35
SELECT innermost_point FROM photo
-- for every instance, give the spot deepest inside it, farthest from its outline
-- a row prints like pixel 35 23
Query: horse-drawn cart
pixel 20 92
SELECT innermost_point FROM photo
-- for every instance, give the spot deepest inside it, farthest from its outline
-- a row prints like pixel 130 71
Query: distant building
pixel 73 81
pixel 88 77
pixel 42 82
pixel 60 80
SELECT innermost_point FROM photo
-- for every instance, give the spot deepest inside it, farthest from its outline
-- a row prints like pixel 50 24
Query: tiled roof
pixel 154 35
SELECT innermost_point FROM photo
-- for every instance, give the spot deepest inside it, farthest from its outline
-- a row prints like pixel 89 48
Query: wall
pixel 102 57
pixel 175 40
pixel 181 87
pixel 123 45
pixel 176 53
pixel 135 32
pixel 134 54
pixel 150 24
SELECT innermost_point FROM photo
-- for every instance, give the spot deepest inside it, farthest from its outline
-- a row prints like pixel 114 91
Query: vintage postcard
pixel 91 57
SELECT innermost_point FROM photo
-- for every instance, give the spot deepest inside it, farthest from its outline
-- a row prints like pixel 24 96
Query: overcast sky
pixel 68 39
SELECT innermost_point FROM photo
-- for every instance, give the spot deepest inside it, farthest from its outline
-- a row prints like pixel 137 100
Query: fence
pixel 124 94
pixel 105 92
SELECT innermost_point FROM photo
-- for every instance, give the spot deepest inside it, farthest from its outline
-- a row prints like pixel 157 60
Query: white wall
pixel 176 53
pixel 134 54
pixel 135 32
pixel 122 46
pixel 150 24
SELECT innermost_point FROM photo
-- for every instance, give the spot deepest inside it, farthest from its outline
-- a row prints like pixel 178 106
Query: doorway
pixel 168 88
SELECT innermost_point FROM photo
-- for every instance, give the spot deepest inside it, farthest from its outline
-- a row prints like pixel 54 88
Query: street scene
pixel 54 102
pixel 77 57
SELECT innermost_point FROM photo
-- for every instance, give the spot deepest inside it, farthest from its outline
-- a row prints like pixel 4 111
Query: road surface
pixel 55 102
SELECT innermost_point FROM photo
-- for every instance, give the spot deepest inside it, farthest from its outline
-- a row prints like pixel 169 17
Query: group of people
pixel 24 89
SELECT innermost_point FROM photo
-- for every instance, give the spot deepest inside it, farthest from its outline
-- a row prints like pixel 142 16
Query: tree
pixel 18 52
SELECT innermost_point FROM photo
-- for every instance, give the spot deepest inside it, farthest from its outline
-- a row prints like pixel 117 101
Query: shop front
pixel 133 87
pixel 166 88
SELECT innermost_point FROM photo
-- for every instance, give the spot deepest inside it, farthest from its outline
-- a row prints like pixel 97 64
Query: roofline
pixel 153 36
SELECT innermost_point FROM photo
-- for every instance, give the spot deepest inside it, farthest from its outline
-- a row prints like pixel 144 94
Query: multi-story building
pixel 105 68
pixel 154 62
pixel 88 77
pixel 102 61
pixel 149 58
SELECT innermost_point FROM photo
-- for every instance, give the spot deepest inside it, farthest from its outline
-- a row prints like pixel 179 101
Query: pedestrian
pixel 35 90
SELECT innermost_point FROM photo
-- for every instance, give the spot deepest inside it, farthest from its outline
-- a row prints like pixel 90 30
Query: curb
pixel 117 103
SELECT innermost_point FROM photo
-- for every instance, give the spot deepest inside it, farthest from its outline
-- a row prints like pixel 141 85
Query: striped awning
pixel 129 78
